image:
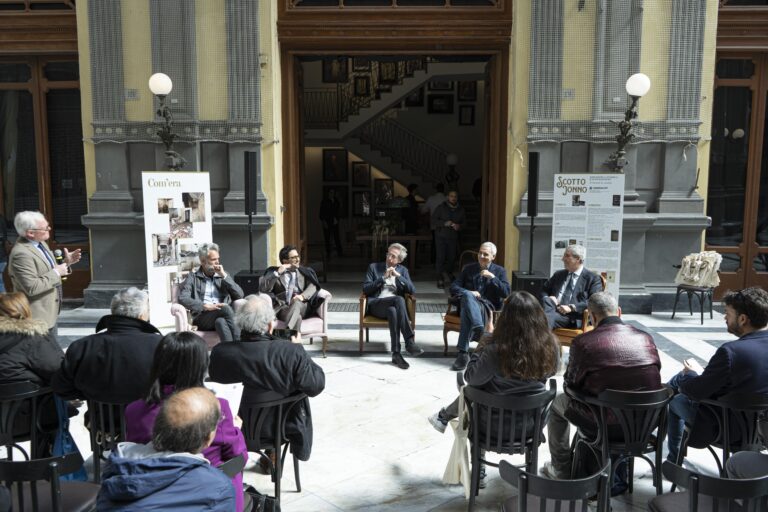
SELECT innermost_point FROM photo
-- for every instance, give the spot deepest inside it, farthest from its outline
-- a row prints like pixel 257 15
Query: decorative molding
pixel 50 32
pixel 546 63
pixel 106 47
pixel 605 131
pixel 742 28
pixel 188 131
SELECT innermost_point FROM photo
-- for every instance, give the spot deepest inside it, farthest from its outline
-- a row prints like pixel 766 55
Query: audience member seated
pixel 480 290
pixel 181 362
pixel 171 473
pixel 564 295
pixel 113 365
pixel 737 367
pixel 385 286
pixel 293 290
pixel 270 368
pixel 207 293
pixel 743 465
pixel 612 356
pixel 27 353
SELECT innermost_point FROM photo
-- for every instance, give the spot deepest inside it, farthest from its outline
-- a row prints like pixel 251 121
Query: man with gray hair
pixel 385 285
pixel 611 356
pixel 207 293
pixel 564 295
pixel 479 290
pixel 34 270
pixel 112 365
pixel 269 368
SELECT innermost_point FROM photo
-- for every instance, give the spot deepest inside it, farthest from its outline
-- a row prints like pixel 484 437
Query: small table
pixel 411 240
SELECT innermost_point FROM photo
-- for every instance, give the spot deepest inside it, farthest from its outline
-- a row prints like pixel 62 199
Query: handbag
pixel 261 502
pixel 64 443
pixel 457 470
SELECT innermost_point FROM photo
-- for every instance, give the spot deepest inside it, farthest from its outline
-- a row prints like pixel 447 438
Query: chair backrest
pixel 107 429
pixel 507 423
pixel 738 416
pixel 721 493
pixel 569 495
pixel 467 257
pixel 264 422
pixel 16 474
pixel 26 398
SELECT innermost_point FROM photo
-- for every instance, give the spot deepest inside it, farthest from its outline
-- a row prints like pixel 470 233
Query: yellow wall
pixel 86 105
pixel 137 59
pixel 578 60
pixel 211 53
pixel 654 58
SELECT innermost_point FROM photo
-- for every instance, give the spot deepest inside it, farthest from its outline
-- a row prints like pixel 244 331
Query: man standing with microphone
pixel 34 270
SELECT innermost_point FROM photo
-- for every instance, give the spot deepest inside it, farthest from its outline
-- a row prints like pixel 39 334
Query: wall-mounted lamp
pixel 637 86
pixel 161 85
pixel 452 176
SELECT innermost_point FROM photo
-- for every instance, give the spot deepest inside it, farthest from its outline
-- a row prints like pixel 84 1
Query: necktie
pixel 568 293
pixel 291 285
pixel 45 253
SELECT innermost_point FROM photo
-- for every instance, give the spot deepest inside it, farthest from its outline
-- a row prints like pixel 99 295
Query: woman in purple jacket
pixel 180 362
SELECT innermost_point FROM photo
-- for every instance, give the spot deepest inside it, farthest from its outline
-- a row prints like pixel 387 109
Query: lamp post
pixel 452 176
pixel 637 86
pixel 161 85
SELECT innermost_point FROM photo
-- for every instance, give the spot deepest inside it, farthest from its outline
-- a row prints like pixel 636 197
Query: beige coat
pixel 32 275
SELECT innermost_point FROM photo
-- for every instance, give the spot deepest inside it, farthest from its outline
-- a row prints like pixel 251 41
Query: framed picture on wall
pixel 342 194
pixel 362 86
pixel 361 174
pixel 440 104
pixel 388 73
pixel 466 115
pixel 361 204
pixel 335 70
pixel 383 190
pixel 440 86
pixel 467 91
pixel 415 98
pixel 335 165
pixel 361 64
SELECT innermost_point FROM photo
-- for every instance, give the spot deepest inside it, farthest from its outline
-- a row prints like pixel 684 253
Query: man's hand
pixel 219 269
pixel 486 273
pixel 299 298
pixel 448 224
pixel 62 269
pixel 211 307
pixel 238 421
pixel 564 310
pixel 393 272
pixel 282 268
pixel 554 300
pixel 691 365
pixel 70 258
pixel 476 294
pixel 455 226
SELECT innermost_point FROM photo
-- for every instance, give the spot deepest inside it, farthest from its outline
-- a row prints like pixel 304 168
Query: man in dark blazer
pixel 479 290
pixel 293 290
pixel 565 294
pixel 385 285
pixel 737 367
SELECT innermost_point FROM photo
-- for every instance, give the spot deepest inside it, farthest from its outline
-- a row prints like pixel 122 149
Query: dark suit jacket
pixel 493 290
pixel 588 283
pixel 307 283
pixel 374 280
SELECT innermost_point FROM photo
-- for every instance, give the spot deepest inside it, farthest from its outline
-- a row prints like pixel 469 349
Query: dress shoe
pixel 461 361
pixel 413 349
pixel 398 361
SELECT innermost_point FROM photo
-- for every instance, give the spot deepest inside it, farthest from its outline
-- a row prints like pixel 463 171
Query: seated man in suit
pixel 565 294
pixel 386 285
pixel 207 293
pixel 481 289
pixel 293 290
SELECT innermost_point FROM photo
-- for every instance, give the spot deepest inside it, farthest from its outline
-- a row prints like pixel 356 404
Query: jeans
pixel 682 410
pixel 220 320
pixel 472 317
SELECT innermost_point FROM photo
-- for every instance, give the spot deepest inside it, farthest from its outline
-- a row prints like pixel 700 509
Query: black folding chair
pixel 21 405
pixel 106 423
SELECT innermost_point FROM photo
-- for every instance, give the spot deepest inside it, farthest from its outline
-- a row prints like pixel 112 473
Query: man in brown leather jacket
pixel 612 356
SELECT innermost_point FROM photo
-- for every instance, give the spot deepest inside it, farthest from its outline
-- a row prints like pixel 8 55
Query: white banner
pixel 177 220
pixel 588 209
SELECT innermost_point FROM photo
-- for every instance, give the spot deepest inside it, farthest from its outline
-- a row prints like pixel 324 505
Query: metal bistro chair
pixel 24 398
pixel 638 414
pixel 540 493
pixel 373 322
pixel 107 429
pixel 264 429
pixel 509 424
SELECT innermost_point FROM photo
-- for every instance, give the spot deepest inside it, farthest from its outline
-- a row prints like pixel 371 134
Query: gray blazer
pixel 192 290
pixel 32 275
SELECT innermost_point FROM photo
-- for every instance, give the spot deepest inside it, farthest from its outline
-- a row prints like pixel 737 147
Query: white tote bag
pixel 457 471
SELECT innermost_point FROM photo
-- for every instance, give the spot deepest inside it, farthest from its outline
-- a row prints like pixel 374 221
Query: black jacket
pixel 587 284
pixel 494 291
pixel 110 366
pixel 192 290
pixel 270 369
pixel 27 351
pixel 313 303
pixel 374 280
pixel 445 212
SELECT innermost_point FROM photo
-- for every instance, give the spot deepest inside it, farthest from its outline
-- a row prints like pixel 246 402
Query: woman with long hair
pixel 181 362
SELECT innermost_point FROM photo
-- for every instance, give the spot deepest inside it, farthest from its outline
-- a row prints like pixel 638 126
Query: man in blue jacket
pixel 480 290
pixel 737 367
pixel 385 286
pixel 170 473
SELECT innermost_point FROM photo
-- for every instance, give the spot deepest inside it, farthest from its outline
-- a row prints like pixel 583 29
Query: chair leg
pixel 361 340
pixel 681 454
pixel 631 474
pixel 325 345
pixel 474 478
pixel 367 335
pixel 674 308
pixel 311 340
pixel 445 341
pixel 709 294
pixel 296 473
pixel 701 305
pixel 690 303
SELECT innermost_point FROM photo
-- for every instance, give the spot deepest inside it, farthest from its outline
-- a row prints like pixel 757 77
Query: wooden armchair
pixel 452 323
pixel 565 336
pixel 372 322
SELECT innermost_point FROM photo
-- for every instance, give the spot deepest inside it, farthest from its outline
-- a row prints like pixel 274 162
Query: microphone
pixel 57 254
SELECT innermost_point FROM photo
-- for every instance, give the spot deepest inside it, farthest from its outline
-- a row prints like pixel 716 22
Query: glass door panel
pixel 18 159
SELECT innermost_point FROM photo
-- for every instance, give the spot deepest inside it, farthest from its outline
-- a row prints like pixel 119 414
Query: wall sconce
pixel 161 85
pixel 637 86
pixel 452 176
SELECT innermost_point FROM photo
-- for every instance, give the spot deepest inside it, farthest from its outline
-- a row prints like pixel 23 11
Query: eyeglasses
pixel 46 228
pixel 294 258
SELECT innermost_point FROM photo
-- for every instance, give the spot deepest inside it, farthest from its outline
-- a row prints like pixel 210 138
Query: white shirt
pixel 389 289
pixel 212 295
pixel 575 277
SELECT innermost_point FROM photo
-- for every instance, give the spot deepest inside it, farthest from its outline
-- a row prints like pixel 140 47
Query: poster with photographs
pixel 177 220
pixel 588 209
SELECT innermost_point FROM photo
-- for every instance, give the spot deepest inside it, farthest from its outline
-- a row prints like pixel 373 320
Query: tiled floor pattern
pixel 374 449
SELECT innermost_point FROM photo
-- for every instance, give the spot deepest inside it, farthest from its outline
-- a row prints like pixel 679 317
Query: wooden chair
pixel 373 322
pixel 565 336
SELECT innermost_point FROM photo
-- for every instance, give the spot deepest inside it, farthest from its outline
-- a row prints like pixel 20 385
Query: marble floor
pixel 373 447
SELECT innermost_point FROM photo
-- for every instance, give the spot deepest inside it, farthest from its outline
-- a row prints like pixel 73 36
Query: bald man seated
pixel 169 473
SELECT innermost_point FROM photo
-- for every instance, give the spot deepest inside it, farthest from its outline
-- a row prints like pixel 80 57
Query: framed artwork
pixel 440 104
pixel 412 65
pixel 361 64
pixel 383 190
pixel 415 98
pixel 335 70
pixel 342 194
pixel 361 204
pixel 467 91
pixel 466 115
pixel 361 174
pixel 440 86
pixel 387 73
pixel 362 86
pixel 335 165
